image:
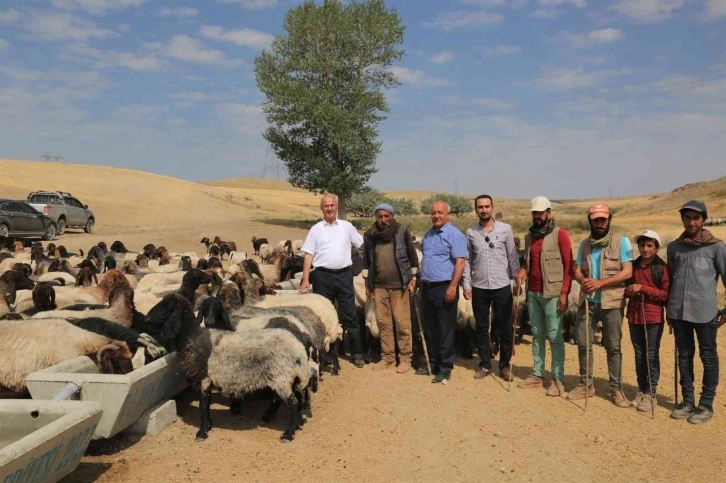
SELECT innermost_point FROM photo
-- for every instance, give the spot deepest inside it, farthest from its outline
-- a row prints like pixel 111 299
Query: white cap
pixel 540 203
pixel 648 234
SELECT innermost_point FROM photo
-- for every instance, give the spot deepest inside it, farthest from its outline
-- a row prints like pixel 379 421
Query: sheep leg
pixel 235 406
pixel 307 406
pixel 292 406
pixel 272 409
pixel 334 357
pixel 206 423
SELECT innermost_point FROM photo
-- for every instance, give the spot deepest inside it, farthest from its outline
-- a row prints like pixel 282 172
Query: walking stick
pixel 421 331
pixel 587 352
pixel 515 320
pixel 647 356
pixel 675 363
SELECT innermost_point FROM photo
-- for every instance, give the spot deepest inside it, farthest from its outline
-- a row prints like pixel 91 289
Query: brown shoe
pixel 556 389
pixel 647 403
pixel 383 365
pixel 403 367
pixel 532 382
pixel 579 392
pixel 482 373
pixel 505 374
pixel 618 398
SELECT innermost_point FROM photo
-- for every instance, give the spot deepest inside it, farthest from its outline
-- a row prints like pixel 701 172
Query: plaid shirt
pixel 490 264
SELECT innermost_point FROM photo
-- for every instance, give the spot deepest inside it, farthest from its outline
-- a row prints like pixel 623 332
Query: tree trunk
pixel 342 211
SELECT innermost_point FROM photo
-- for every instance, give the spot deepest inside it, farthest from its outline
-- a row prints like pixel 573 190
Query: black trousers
pixel 440 325
pixel 706 334
pixel 500 302
pixel 338 287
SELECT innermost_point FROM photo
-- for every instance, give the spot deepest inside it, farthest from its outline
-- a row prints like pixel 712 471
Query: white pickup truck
pixel 64 209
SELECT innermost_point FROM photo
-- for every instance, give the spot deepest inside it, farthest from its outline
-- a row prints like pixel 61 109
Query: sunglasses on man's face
pixel 486 239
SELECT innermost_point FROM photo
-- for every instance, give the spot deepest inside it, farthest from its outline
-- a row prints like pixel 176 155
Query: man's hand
pixel 450 294
pixel 412 285
pixel 467 293
pixel 304 286
pixel 521 276
pixel 722 321
pixel 370 294
pixel 590 285
pixel 562 303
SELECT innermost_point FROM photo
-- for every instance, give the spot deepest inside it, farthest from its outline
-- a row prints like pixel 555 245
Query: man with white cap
pixel 390 265
pixel 548 270
pixel 603 266
pixel 696 260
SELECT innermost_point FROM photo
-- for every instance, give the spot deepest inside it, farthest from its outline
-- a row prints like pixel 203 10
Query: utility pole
pixel 456 186
pixel 611 193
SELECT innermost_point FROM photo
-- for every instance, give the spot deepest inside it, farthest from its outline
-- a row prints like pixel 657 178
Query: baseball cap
pixel 695 205
pixel 540 203
pixel 598 210
pixel 648 234
pixel 385 207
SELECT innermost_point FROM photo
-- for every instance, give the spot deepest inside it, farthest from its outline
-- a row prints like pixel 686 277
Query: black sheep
pixel 257 243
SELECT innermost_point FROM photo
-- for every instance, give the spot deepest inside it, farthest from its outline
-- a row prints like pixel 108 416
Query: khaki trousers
pixel 394 313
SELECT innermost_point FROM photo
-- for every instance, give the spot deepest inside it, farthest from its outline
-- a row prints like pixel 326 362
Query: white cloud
pixel 715 9
pixel 544 13
pixel 418 77
pixel 580 40
pixel 554 3
pixel 188 49
pixel 60 26
pixel 179 12
pixel 9 16
pixel 442 57
pixel 96 7
pixel 453 20
pixel 648 10
pixel 252 3
pixel 570 79
pixel 104 59
pixel 245 37
pixel 4 44
pixel 500 50
pixel 245 118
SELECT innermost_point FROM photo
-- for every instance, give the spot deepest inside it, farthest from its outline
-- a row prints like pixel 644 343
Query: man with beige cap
pixel 604 264
pixel 548 270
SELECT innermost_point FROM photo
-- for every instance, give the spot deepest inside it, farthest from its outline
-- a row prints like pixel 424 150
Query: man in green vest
pixel 547 268
pixel 603 266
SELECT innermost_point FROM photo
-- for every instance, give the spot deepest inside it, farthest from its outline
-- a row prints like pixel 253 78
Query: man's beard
pixel 538 223
pixel 484 216
pixel 598 233
pixel 383 224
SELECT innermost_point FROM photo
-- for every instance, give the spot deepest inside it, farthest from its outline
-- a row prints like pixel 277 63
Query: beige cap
pixel 540 203
pixel 648 234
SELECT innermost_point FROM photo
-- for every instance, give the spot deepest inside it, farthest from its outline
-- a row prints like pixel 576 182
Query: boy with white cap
pixel 648 293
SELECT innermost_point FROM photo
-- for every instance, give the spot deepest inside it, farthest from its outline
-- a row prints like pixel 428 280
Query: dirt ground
pixel 371 426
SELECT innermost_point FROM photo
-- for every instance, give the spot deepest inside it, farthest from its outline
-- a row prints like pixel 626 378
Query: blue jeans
pixel 706 333
pixel 637 337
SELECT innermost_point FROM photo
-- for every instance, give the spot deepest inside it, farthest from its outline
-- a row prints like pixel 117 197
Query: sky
pixel 514 98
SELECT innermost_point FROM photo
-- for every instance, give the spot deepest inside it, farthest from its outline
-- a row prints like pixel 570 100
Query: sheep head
pixel 115 358
pixel 86 277
pixel 118 247
pixel 142 261
pixel 185 263
pixel 11 281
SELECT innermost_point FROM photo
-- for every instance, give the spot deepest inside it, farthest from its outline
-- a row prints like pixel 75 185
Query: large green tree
pixel 325 81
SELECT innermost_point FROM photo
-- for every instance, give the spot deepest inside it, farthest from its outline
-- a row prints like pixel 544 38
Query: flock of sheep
pixel 236 330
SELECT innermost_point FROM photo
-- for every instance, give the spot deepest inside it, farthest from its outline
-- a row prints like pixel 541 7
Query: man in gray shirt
pixel 696 260
pixel 491 264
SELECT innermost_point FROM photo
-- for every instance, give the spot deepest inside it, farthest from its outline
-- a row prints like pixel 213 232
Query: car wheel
pixel 49 232
pixel 61 226
pixel 4 231
pixel 89 225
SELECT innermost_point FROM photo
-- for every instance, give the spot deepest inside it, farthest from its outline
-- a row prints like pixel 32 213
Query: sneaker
pixel 482 373
pixel 441 377
pixel 683 410
pixel 700 416
pixel 636 401
pixel 505 374
pixel 422 371
pixel 619 399
pixel 647 404
pixel 383 365
pixel 579 392
pixel 403 367
pixel 556 389
pixel 358 362
pixel 532 382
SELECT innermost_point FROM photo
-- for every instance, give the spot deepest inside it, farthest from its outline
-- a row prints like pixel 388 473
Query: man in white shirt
pixel 328 248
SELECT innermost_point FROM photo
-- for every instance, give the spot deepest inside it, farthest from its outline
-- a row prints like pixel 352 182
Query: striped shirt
pixel 490 267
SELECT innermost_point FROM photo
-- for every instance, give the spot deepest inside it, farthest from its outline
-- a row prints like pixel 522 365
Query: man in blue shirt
pixel 444 253
pixel 603 266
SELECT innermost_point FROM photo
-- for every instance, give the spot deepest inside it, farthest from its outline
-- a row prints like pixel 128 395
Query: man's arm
pixel 567 264
pixel 466 271
pixel 512 255
pixel 307 264
pixel 453 287
pixel 356 239
pixel 411 250
pixel 578 276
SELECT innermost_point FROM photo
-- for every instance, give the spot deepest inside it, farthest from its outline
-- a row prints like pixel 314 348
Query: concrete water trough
pixel 43 441
pixel 123 398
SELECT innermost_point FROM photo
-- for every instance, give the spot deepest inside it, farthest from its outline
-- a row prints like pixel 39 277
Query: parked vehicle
pixel 20 220
pixel 64 209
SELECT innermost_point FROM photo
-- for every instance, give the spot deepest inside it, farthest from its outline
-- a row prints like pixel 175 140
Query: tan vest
pixel 550 263
pixel 610 297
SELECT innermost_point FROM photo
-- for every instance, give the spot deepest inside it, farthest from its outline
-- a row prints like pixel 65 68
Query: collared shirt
pixel 440 250
pixel 330 244
pixel 489 267
pixel 626 255
pixel 694 278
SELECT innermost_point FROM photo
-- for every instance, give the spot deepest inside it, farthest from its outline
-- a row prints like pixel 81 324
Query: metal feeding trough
pixel 43 441
pixel 123 398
